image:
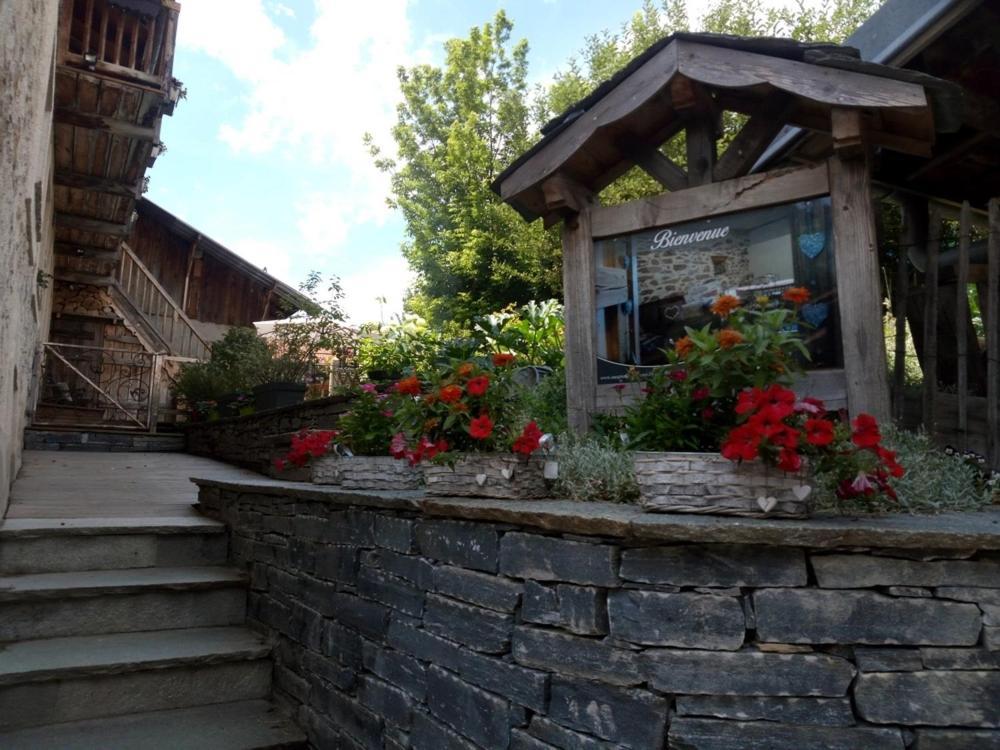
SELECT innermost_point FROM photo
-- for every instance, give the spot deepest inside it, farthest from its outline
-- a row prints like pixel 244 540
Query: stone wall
pixel 547 625
pixel 27 39
pixel 666 274
pixel 255 440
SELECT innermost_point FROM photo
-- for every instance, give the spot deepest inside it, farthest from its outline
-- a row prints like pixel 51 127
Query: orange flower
pixel 502 359
pixel 728 338
pixel 798 295
pixel 724 305
pixel 465 369
pixel 684 346
pixel 450 393
pixel 409 386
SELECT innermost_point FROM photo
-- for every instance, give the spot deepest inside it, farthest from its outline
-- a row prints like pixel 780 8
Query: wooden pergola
pixel 683 84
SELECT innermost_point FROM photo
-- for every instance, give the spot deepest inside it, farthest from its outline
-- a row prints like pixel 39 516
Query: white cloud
pixel 266 255
pixel 388 278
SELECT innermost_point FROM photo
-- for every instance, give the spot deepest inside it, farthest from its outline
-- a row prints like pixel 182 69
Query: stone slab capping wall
pixel 529 629
pixel 27 39
pixel 255 440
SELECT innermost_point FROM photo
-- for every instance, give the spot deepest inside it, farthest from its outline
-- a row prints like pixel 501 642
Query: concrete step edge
pixel 91 583
pixel 118 653
pixel 31 528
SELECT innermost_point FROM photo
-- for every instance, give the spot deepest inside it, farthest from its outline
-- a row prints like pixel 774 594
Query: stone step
pixel 95 440
pixel 41 545
pixel 70 679
pixel 53 605
pixel 246 725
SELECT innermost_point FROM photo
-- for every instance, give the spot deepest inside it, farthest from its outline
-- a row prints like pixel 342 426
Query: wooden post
pixel 580 313
pixel 701 154
pixel 962 321
pixel 858 290
pixel 930 321
pixel 914 235
pixel 993 337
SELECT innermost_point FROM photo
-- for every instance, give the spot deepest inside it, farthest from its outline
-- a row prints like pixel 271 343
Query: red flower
pixel 749 400
pixel 782 399
pixel 477 386
pixel 810 405
pixel 678 376
pixel 866 434
pixel 529 439
pixel 707 413
pixel 481 427
pixel 742 444
pixel 789 460
pixel 786 437
pixel 503 360
pixel 619 387
pixel 279 464
pixel 819 432
pixel 450 393
pixel 888 459
pixel 409 386
pixel 797 295
pixel 700 394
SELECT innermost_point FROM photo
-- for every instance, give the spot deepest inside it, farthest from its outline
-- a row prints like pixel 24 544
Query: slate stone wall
pixel 255 440
pixel 400 630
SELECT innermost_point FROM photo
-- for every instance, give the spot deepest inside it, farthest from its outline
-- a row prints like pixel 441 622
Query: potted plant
pixel 692 407
pixel 281 381
pixel 466 429
pixel 359 458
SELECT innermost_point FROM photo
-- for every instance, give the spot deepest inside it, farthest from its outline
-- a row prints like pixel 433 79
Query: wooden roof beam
pixel 661 168
pixel 88 224
pixel 83 277
pixel 565 198
pixel 96 184
pixel 755 136
pixel 87 251
pixel 69 116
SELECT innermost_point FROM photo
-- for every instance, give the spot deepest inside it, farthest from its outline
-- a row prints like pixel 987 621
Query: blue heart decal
pixel 812 244
pixel 814 314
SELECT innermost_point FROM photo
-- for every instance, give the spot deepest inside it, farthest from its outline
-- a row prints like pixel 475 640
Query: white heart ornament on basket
pixel 507 473
pixel 802 491
pixel 480 479
pixel 767 504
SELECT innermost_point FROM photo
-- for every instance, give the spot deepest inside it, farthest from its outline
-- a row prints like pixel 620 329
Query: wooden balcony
pixel 113 84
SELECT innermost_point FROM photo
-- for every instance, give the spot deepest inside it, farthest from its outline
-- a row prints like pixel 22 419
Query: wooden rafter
pixel 96 184
pixel 70 116
pixel 111 228
pixel 661 168
pixel 754 137
pixel 86 251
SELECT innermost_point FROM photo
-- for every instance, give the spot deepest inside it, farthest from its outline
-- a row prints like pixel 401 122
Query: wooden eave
pixel 595 143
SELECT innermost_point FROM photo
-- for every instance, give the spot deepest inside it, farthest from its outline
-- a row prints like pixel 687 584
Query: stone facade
pixel 27 38
pixel 254 441
pixel 399 629
pixel 666 274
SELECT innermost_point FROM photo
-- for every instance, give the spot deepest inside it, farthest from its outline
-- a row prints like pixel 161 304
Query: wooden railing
pixel 111 38
pixel 158 308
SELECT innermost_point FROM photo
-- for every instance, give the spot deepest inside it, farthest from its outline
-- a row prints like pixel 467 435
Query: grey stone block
pixel 833 712
pixel 329 670
pixel 395 533
pixel 716 565
pixel 390 703
pixel 519 740
pixel 565 739
pixel 369 618
pixel 321 733
pixel 685 620
pixel 477 588
pixel 392 591
pixel 423 645
pixel 801 616
pixel 541 558
pixel 478 628
pixel 296 686
pixel 916 591
pixel 402 671
pixel 888 659
pixel 747 673
pixel 970 699
pixel 572 655
pixel 416 570
pixel 710 734
pixel 863 571
pixel 428 734
pixel 977 595
pixel 956 739
pixel 960 658
pixel 468 545
pixel 335 562
pixel 341 644
pixel 579 609
pixel 349 526
pixel 541 604
pixel 526 687
pixel 480 716
pixel 349 717
pixel 629 717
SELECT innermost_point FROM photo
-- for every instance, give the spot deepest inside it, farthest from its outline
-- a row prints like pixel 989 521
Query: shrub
pixel 368 427
pixel 595 467
pixel 546 402
pixel 534 332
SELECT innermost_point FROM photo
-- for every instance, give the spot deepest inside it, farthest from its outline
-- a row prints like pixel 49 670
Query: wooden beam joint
pixel 565 198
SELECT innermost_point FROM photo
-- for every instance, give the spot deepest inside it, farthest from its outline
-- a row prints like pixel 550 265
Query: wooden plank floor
pixel 68 484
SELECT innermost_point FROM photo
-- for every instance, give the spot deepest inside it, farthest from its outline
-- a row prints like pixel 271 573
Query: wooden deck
pixel 67 484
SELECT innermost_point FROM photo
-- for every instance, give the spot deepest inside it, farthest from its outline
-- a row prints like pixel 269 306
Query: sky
pixel 266 153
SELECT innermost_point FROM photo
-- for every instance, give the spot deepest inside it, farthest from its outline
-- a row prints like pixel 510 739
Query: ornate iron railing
pixel 96 387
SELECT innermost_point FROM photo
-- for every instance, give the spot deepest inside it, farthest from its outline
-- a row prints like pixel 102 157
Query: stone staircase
pixel 127 633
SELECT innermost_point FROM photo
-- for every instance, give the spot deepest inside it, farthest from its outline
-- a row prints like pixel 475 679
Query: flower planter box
pixel 366 473
pixel 710 484
pixel 277 395
pixel 497 475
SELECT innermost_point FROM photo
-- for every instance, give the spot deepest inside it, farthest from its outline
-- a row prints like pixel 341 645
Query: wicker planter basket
pixel 366 473
pixel 498 475
pixel 708 483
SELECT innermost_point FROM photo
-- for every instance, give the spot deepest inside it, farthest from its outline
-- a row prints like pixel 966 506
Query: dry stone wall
pixel 399 630
pixel 27 36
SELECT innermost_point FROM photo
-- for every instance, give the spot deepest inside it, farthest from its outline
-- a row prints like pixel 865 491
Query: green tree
pixel 458 127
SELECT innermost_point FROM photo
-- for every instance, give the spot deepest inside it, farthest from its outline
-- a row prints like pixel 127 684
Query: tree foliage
pixel 461 124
